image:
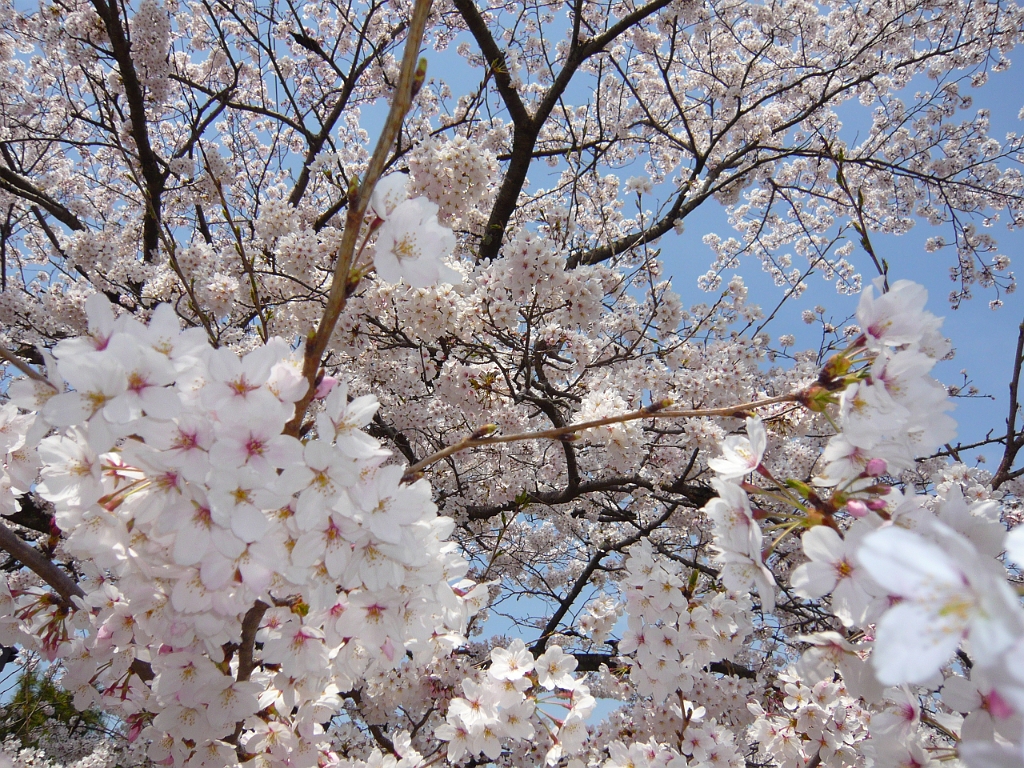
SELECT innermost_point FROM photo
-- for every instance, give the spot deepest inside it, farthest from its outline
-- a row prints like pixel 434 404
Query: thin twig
pixel 482 436
pixel 1013 442
pixel 412 73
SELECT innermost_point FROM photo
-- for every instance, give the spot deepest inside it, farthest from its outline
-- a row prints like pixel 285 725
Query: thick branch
pixel 155 178
pixel 496 61
pixel 528 127
pixel 247 646
pixel 41 566
pixel 21 187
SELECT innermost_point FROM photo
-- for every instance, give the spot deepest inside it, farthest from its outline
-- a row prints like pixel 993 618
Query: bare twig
pixel 1014 442
pixel 412 74
pixel 483 436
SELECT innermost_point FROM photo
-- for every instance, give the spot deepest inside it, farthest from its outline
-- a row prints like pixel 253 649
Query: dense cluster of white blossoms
pixel 200 528
pixel 921 576
pixel 235 584
pixel 401 549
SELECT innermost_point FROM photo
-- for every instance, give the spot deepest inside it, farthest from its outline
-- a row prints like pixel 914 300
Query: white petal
pixel 910 645
pixel 904 563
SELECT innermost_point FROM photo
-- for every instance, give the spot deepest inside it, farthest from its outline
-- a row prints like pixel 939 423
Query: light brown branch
pixel 247 647
pixel 412 74
pixel 483 436
pixel 25 368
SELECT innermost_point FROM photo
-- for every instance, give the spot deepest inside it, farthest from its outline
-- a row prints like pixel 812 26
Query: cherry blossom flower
pixel 412 246
pixel 554 668
pixel 833 568
pixel 741 455
pixel 946 593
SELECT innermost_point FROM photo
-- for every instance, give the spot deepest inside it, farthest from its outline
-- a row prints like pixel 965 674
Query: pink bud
pixel 877 504
pixel 857 508
pixel 875 468
pixel 324 387
pixel 388 649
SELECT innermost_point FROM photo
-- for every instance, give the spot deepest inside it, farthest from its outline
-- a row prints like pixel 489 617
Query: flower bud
pixel 323 389
pixel 875 468
pixel 857 508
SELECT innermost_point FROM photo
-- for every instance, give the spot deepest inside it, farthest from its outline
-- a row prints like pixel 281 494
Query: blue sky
pixel 984 339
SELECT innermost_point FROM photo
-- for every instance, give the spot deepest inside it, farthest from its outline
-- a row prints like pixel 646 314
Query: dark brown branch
pixel 591 662
pixel 496 61
pixel 584 578
pixel 153 175
pixel 21 187
pixel 32 514
pixel 1014 442
pixel 40 565
pixel 527 126
pixel 247 646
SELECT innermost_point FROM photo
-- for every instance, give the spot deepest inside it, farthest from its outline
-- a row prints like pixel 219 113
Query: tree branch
pixel 1014 442
pixel 482 436
pixel 408 82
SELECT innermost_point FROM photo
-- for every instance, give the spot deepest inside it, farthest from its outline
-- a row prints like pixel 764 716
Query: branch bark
pixel 482 436
pixel 527 126
pixel 1014 441
pixel 405 91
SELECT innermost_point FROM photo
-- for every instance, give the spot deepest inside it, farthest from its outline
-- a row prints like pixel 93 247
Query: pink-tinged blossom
pixel 554 669
pixel 511 664
pixel 389 193
pixel 741 455
pixel 944 593
pixel 343 421
pixel 412 246
pixel 236 387
pixel 833 567
pixel 184 442
pixel 256 444
pixel 896 317
pixel 238 498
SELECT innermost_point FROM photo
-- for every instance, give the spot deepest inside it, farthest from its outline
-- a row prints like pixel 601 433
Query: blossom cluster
pixel 411 244
pixel 923 571
pixel 235 581
pixel 505 705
